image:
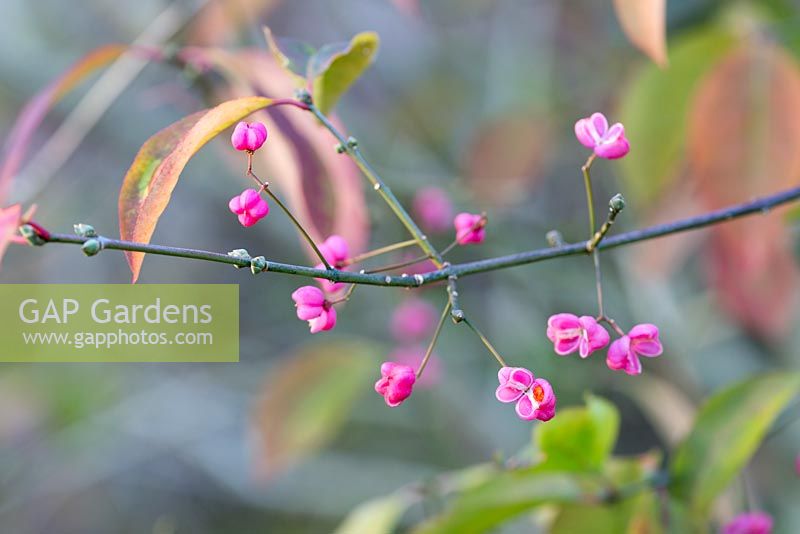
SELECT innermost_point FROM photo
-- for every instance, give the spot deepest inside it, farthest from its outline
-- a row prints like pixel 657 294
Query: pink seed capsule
pixel 248 136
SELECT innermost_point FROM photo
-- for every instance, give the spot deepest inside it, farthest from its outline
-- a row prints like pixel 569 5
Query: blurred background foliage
pixel 478 98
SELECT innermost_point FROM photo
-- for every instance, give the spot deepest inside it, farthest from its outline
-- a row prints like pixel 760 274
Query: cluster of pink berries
pixel 570 333
pixel 249 206
pixel 412 321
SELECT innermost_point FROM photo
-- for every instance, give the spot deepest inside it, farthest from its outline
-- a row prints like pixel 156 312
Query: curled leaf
pixel 155 171
pixel 335 67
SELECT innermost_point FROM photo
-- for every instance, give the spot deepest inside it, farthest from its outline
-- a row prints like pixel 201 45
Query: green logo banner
pixel 119 323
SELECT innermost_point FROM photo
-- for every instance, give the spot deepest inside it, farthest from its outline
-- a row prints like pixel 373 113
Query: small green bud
pixel 554 238
pixel 352 142
pixel 31 235
pixel 258 264
pixel 617 203
pixel 241 254
pixel 84 230
pixel 91 247
pixel 303 96
pixel 340 148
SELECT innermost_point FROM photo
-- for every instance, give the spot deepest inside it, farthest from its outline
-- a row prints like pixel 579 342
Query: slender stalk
pixel 761 205
pixel 378 251
pixel 449 247
pixel 486 343
pixel 587 182
pixel 598 282
pixel 281 205
pixel 398 265
pixel 435 338
pixel 598 278
pixel 346 296
pixel 612 323
pixel 350 146
pixel 481 222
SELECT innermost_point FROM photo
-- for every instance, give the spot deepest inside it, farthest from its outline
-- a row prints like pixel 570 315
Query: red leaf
pixel 744 130
pixel 33 113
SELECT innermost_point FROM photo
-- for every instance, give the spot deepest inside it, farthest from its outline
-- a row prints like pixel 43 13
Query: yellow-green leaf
pixel 307 399
pixel 726 433
pixel 507 495
pixel 334 68
pixel 579 439
pixel 154 172
pixel 377 515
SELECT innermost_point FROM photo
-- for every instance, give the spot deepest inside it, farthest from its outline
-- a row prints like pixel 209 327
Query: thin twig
pixel 761 205
pixel 346 296
pixel 350 146
pixel 378 251
pixel 478 224
pixel 591 246
pixel 485 342
pixel 435 337
pixel 398 265
pixel 265 187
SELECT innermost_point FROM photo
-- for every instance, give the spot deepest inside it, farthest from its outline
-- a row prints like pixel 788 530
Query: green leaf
pixel 334 68
pixel 726 433
pixel 635 514
pixel 291 54
pixel 154 173
pixel 579 439
pixel 308 397
pixel 377 515
pixel 654 111
pixel 507 495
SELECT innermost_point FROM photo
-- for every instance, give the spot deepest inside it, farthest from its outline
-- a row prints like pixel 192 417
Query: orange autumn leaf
pixel 645 24
pixel 154 173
